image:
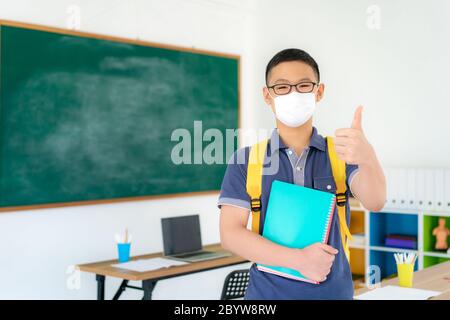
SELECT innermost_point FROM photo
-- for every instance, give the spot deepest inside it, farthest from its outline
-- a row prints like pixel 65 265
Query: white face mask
pixel 295 109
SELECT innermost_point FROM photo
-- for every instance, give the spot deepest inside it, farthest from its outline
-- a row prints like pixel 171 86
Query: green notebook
pixel 296 217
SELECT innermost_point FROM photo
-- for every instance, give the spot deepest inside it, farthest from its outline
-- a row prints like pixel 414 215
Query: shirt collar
pixel 316 141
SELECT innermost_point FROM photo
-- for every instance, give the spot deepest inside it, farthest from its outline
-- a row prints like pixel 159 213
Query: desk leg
pixel 100 287
pixel 121 289
pixel 148 286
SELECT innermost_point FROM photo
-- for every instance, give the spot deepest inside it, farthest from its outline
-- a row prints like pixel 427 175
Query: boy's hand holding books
pixel 315 261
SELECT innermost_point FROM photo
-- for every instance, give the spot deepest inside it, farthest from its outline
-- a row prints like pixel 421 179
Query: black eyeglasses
pixel 302 87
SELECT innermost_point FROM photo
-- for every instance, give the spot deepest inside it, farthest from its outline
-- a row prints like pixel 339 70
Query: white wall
pixel 398 72
pixel 37 247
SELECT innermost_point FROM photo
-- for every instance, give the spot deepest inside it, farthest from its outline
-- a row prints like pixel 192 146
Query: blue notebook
pixel 296 217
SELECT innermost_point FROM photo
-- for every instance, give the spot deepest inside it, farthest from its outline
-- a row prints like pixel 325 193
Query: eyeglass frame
pixel 315 84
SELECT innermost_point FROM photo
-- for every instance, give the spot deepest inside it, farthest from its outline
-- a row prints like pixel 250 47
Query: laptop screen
pixel 181 234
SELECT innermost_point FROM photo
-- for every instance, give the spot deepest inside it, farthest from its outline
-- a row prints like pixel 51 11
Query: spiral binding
pixel 328 221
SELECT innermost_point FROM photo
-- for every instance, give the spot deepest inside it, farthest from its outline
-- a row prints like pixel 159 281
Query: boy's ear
pixel 320 92
pixel 267 98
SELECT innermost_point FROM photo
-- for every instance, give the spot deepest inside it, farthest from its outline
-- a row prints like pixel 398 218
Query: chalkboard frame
pixel 134 42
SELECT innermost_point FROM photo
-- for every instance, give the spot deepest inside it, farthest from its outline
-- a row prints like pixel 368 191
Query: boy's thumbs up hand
pixel 357 119
pixel 351 144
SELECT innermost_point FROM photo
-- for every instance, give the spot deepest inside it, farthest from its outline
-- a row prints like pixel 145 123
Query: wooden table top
pixel 104 268
pixel 435 278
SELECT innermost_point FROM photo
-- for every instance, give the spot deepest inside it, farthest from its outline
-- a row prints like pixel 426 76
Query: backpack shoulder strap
pixel 339 174
pixel 254 180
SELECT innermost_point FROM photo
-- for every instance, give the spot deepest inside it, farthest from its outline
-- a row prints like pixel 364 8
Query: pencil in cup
pixel 405 268
pixel 123 246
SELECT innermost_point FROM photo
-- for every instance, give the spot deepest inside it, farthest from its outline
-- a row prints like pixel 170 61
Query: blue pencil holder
pixel 124 252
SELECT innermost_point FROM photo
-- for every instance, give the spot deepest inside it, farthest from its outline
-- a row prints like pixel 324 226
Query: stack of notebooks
pixel 401 241
pixel 296 217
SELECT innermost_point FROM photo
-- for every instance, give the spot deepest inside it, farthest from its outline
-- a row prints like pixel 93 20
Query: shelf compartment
pixel 357 261
pixel 429 261
pixel 429 223
pixel 383 224
pixel 357 222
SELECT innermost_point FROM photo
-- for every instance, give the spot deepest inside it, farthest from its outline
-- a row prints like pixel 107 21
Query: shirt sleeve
pixel 351 171
pixel 233 190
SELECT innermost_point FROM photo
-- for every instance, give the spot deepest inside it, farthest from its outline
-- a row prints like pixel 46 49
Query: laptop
pixel 182 240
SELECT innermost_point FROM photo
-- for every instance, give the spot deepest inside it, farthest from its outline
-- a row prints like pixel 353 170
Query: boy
pixel 292 91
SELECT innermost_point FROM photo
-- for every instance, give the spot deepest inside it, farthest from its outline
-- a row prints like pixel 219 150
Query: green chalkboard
pixel 86 119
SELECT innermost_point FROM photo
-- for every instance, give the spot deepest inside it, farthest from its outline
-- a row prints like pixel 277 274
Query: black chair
pixel 235 284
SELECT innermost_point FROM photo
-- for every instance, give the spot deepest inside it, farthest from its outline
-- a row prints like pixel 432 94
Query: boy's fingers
pixel 345 132
pixel 328 249
pixel 340 149
pixel 342 141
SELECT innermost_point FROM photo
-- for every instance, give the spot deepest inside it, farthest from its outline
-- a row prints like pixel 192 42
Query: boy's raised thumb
pixel 357 119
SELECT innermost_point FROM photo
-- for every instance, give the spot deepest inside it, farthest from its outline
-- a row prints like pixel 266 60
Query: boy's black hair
pixel 293 55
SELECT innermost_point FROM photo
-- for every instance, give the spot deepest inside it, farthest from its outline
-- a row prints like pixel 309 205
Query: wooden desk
pixel 150 278
pixel 435 278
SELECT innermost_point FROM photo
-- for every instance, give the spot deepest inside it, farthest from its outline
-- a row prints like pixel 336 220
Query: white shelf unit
pixel 376 252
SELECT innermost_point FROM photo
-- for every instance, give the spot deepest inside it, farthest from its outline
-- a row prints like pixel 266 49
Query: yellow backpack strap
pixel 254 180
pixel 339 174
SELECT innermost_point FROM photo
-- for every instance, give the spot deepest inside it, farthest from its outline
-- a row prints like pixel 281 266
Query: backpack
pixel 254 186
